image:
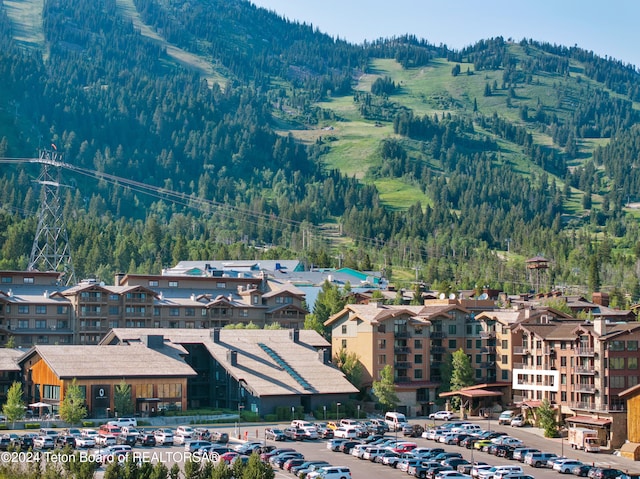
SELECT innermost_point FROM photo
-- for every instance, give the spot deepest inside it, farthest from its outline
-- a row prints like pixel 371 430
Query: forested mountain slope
pixel 415 157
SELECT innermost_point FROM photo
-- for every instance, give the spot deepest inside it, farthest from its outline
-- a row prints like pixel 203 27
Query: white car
pixel 443 415
pixel 105 440
pixel 43 442
pixel 518 421
pixel 163 437
pixel 565 465
pixel 452 475
pixel 85 441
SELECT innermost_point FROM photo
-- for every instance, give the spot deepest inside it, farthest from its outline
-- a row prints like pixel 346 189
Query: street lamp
pixel 293 412
pixel 324 409
pixel 358 407
pixel 338 412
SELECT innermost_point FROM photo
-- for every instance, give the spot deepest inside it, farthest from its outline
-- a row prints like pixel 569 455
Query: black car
pixel 604 473
pixel 5 442
pixel 127 439
pixel 502 450
pixel 413 430
pixel 581 471
pixel 468 442
pixel 146 439
pixel 65 440
pixel 347 446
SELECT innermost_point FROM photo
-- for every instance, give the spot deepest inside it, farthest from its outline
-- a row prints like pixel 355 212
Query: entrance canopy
pixel 599 422
pixel 471 393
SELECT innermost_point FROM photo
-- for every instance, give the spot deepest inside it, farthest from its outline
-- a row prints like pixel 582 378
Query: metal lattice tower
pixel 50 251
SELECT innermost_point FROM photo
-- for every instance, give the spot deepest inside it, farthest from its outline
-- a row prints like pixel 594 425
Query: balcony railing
pixel 437 334
pixel 402 365
pixel 589 352
pixel 403 350
pixel 487 334
pixel 487 364
pixel 521 350
pixel 488 350
pixel 584 370
pixel 585 388
pixel 401 334
pixel 438 349
pixel 592 406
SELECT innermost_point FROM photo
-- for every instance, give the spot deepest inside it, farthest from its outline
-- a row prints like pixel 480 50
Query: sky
pixel 608 28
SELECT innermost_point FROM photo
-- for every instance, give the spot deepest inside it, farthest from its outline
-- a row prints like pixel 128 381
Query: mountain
pixel 215 129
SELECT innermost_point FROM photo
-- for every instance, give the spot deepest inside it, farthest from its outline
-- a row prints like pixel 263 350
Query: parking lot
pixel 317 450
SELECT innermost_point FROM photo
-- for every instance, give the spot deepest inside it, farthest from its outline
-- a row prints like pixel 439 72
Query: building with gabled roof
pixel 156 372
pixel 9 370
pixel 255 369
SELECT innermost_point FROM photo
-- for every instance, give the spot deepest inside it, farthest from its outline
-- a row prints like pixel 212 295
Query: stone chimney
pixel 118 278
pixel 599 326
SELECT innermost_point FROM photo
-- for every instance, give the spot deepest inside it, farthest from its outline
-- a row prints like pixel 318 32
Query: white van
pixel 395 420
pixel 506 417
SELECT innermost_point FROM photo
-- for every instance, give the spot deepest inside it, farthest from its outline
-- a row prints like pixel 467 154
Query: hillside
pixel 452 166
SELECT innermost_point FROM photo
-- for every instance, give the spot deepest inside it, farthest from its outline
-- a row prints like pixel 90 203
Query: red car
pixel 228 456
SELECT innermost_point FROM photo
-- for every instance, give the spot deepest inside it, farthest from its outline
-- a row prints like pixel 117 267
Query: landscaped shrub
pixel 32 425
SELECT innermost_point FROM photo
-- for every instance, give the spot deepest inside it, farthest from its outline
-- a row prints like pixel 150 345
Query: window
pixel 256 299
pixel 632 345
pixel 7 280
pixel 417 344
pixel 144 391
pixel 114 297
pixel 563 379
pixel 153 283
pixel 23 323
pixel 616 363
pixel 344 329
pixel 156 311
pixel 203 311
pixel 563 361
pixel 417 359
pixel 452 329
pixel 221 285
pixel 616 346
pixel 382 328
pixel 382 343
pixel 469 343
pixel 173 284
pixel 382 359
pixel 563 345
pixel 632 363
pixel 505 359
pixel 190 312
pixel 453 344
pixel 478 358
pixel 478 343
pixel 23 309
pixel 114 310
pixel 632 380
pixel 417 374
pixel 28 280
pixel 50 392
pixel 538 360
pixel 617 382
pixel 563 396
pixel 344 344
pixel 243 313
pixel 505 375
pixel 505 344
pixel 113 323
pixel 174 311
pixel 41 310
pixel 478 373
pixel 62 309
pixel 41 324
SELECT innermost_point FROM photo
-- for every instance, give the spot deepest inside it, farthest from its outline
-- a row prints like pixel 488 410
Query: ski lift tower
pixel 50 251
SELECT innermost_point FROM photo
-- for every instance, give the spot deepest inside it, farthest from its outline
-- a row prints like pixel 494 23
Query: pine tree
pixel 72 408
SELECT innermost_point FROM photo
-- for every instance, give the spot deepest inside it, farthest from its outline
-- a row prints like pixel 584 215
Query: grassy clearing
pixel 26 22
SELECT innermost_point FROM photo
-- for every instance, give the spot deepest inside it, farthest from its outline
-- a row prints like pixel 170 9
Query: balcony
pixel 402 365
pixel 488 350
pixel 438 349
pixel 592 406
pixel 401 334
pixel 585 370
pixel 437 335
pixel 521 350
pixel 588 352
pixel 403 350
pixel 585 388
pixel 487 364
pixel 487 334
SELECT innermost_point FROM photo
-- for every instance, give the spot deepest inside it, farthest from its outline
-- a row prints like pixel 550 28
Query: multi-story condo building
pixel 581 368
pixel 36 309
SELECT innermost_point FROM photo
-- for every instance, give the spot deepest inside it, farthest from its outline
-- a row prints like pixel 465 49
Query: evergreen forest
pixel 243 135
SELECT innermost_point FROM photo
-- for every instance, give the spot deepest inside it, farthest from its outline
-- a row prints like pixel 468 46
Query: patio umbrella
pixel 39 404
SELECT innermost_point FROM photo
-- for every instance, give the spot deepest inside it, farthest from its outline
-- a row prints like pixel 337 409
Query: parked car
pixel 146 439
pixel 442 415
pixel 128 439
pixel 43 442
pixel 163 437
pixel 105 440
pixel 274 434
pixel 412 430
pixel 566 466
pixel 294 433
pixel 518 421
pixel 5 443
pixel 85 442
pixel 581 471
pixel 65 440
